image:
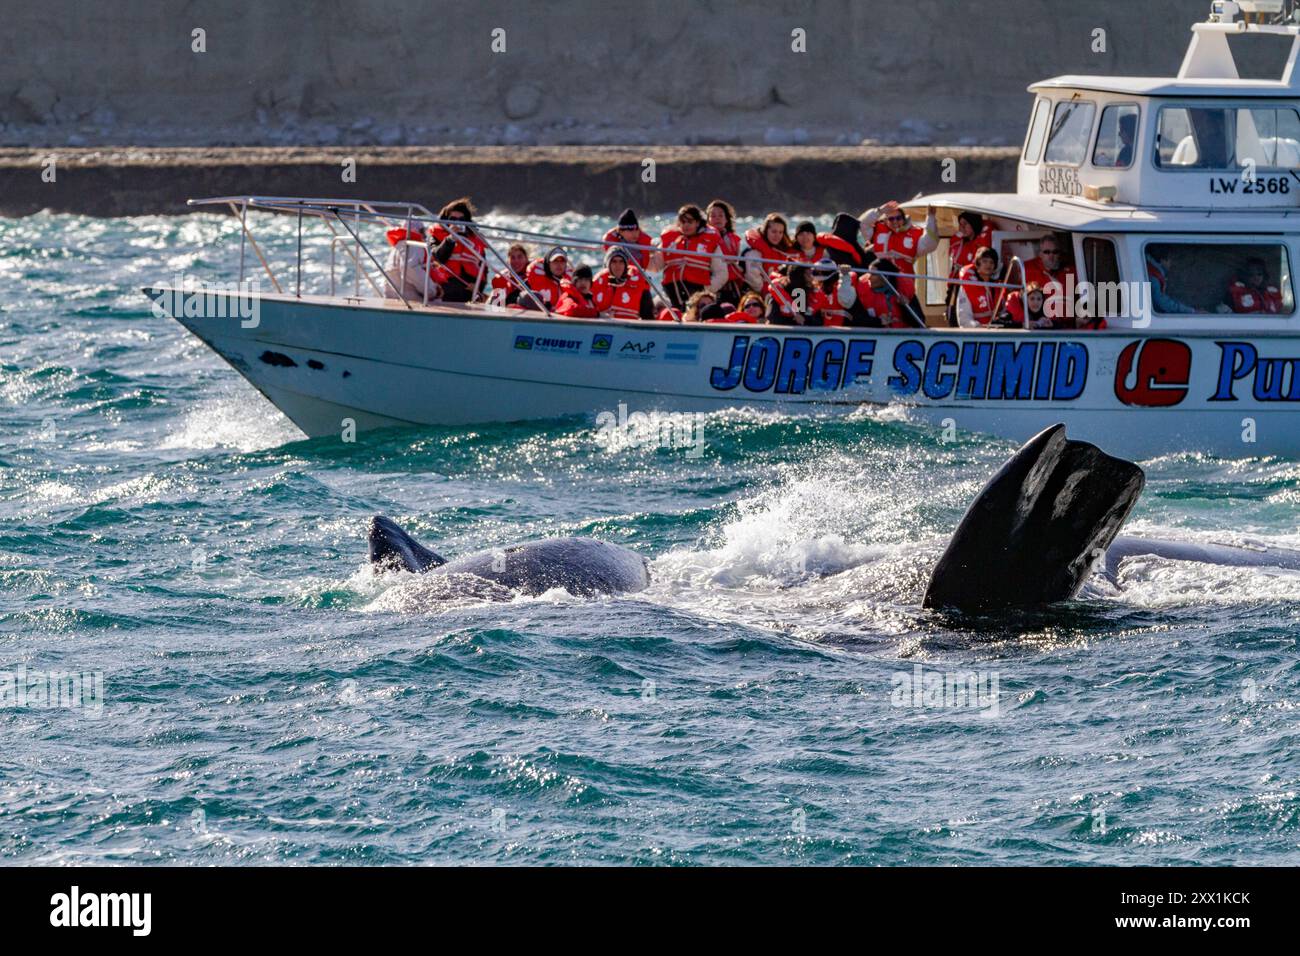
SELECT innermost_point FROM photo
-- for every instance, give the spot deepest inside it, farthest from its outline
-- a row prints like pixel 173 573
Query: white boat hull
pixel 330 365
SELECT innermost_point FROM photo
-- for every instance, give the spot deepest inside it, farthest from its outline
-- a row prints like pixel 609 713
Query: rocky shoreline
pixel 131 181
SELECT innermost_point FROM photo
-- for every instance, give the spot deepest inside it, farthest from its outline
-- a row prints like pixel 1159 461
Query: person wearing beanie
pixel 576 301
pixel 629 234
pixel 973 234
pixel 545 279
pixel 807 250
pixel 621 290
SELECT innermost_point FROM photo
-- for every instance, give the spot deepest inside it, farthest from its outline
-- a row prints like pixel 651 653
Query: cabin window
pixel 1071 132
pixel 1223 278
pixel 1116 138
pixel 1037 130
pixel 1197 137
pixel 1101 268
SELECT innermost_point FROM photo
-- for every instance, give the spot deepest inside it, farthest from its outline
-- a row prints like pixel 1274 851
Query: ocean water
pixel 255 694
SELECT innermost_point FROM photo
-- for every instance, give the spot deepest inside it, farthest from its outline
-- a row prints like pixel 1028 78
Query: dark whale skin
pixel 582 566
pixel 1034 533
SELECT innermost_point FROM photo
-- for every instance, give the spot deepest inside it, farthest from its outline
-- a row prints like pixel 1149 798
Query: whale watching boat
pixel 1167 192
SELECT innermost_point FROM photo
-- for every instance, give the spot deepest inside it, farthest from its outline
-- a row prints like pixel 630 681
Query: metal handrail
pixel 387 212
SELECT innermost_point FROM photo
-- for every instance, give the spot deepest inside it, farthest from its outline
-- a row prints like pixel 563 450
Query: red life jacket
pixel 807 258
pixel 737 316
pixel 1246 299
pixel 622 300
pixel 961 252
pixel 641 246
pixel 771 255
pixel 546 288
pixel 828 240
pixel 574 304
pixel 881 304
pixel 901 278
pixel 401 235
pixel 816 302
pixel 982 298
pixel 729 245
pixel 1034 272
pixel 899 246
pixel 463 264
pixel 668 315
pixel 686 258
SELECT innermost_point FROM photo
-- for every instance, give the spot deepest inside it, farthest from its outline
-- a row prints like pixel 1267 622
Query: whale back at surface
pixel 581 566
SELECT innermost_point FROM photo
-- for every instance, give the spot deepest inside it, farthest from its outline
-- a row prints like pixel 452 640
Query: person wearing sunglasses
pixel 890 232
pixel 1053 276
pixel 688 256
pixel 751 310
pixel 460 251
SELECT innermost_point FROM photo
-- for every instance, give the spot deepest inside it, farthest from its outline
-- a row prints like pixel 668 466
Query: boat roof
pixel 1083 215
pixel 1166 86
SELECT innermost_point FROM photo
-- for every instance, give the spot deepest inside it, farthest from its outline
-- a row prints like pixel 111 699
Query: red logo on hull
pixel 1153 373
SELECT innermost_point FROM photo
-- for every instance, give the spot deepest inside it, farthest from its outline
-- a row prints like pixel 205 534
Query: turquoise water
pixel 266 698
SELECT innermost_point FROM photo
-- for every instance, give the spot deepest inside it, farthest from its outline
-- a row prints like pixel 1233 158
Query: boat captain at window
pixel 1216 137
pixel 1117 137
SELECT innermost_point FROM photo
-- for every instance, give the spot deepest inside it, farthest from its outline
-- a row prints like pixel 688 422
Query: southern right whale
pixel 581 566
pixel 1048 518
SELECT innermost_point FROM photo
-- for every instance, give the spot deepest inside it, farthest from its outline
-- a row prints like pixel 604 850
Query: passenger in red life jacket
pixel 873 301
pixel 977 302
pixel 844 242
pixel 1014 315
pixel 722 220
pixel 1051 273
pixel 826 277
pixel 576 300
pixel 806 248
pixel 750 310
pixel 621 291
pixel 628 233
pixel 505 290
pixel 889 231
pixel 1254 293
pixel 765 249
pixel 545 278
pixel 408 267
pixel 460 251
pixel 703 306
pixel 972 235
pixel 688 255
pixel 797 297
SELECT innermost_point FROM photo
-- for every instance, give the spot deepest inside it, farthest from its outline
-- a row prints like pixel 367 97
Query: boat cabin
pixel 1189 184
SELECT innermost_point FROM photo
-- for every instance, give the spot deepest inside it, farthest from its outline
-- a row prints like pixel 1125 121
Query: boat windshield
pixel 1071 132
pixel 1198 137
